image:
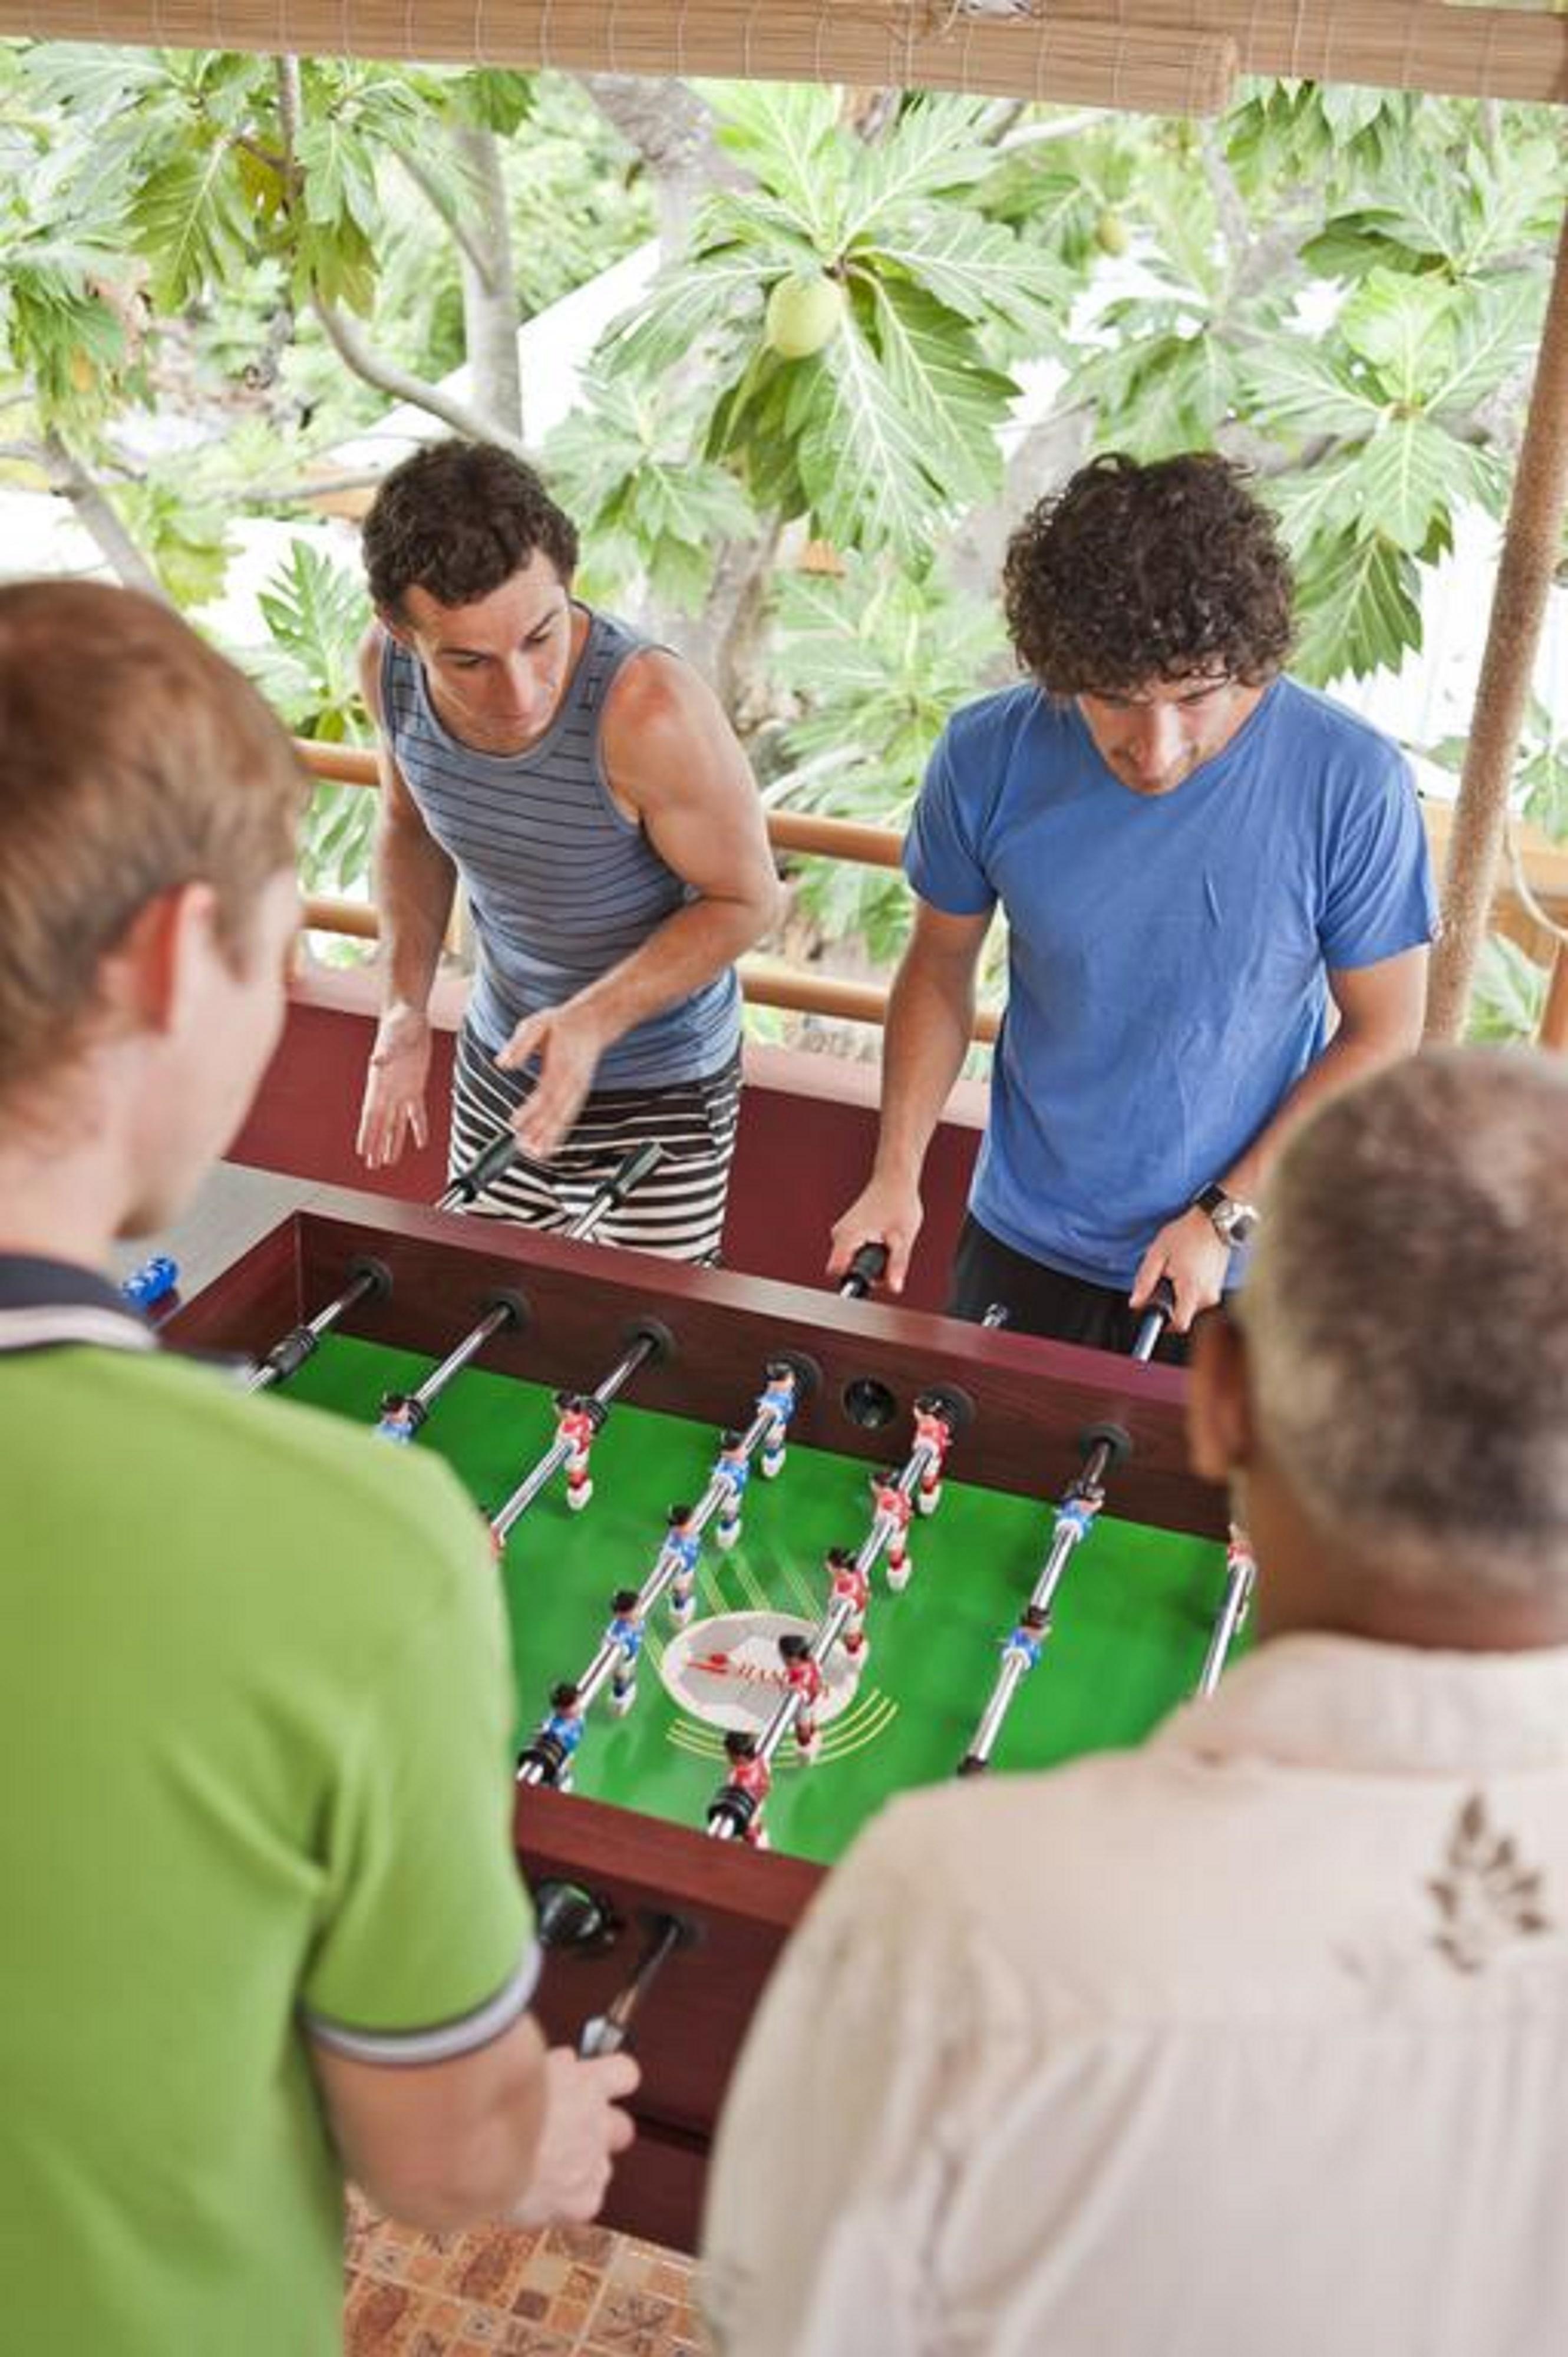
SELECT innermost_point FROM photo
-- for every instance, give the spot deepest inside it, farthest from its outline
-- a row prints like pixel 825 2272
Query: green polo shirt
pixel 254 1710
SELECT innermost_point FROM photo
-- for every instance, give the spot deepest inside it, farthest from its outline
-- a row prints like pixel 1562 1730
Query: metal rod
pixel 629 1172
pixel 457 1358
pixel 287 1356
pixel 720 1824
pixel 1022 1649
pixel 1156 1317
pixel 555 1455
pixel 667 1564
pixel 830 1628
pixel 607 2032
pixel 1242 1573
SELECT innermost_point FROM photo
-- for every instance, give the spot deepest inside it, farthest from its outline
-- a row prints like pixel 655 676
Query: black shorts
pixel 1043 1300
pixel 677 1209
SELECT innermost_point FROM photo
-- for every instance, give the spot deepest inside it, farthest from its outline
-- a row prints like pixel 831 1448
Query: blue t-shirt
pixel 1168 954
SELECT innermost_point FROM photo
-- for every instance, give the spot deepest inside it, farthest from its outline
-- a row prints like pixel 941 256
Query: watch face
pixel 1236 1221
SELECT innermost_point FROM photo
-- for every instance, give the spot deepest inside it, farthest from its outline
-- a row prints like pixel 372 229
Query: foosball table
pixel 845 1604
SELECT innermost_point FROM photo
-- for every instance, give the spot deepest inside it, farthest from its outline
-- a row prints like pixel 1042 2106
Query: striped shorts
pixel 677 1209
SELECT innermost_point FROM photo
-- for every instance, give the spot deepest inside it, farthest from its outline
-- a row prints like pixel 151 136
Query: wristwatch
pixel 1232 1221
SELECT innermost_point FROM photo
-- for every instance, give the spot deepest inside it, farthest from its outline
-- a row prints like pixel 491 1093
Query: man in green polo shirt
pixel 262 1925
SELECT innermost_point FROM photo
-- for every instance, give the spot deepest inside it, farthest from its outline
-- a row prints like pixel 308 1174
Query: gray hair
pixel 1407 1320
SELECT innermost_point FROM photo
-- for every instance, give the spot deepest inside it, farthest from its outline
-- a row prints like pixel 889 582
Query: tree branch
pixel 373 369
pixel 435 196
pixel 98 516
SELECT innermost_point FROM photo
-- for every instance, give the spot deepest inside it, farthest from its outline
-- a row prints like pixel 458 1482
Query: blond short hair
pixel 132 759
pixel 1407 1320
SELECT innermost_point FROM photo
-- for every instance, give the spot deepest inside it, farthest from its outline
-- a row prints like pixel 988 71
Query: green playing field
pixel 1132 1619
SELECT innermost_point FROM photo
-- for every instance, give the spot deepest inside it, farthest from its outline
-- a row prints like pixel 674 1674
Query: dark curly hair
pixel 1132 572
pixel 458 518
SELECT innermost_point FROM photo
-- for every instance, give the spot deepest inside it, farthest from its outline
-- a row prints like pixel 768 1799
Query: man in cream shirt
pixel 1252 2042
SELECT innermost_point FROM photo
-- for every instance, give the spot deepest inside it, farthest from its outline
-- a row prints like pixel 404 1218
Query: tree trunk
pixel 491 315
pixel 673 131
pixel 1531 541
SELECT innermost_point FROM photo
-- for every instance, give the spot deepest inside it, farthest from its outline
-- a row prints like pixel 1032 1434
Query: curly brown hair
pixel 1135 573
pixel 458 518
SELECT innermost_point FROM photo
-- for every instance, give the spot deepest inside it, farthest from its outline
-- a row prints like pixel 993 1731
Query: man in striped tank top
pixel 587 790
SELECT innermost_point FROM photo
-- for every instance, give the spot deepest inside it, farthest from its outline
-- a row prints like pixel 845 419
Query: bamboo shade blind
pixel 1158 56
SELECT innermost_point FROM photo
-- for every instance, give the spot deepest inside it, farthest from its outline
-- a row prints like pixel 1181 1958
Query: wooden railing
pixel 771 982
pixel 767 982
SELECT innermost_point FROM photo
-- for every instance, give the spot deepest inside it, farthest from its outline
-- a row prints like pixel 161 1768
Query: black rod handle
pixel 864 1271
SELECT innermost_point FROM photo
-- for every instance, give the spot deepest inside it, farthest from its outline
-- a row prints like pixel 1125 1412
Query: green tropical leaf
pixel 1404 478
pixel 683 309
pixel 1303 390
pixel 934 149
pixel 1174 394
pixel 1507 998
pixel 861 456
pixel 494 99
pixel 191 222
pixel 979 270
pixel 1404 327
pixel 1496 336
pixel 1319 505
pixel 786 133
pixel 954 400
pixel 1359 610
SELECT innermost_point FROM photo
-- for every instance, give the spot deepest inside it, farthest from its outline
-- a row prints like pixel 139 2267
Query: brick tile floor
pixel 566 2291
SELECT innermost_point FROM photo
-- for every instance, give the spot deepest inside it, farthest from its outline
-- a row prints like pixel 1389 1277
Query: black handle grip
pixel 864 1271
pixel 498 1156
pixel 632 1171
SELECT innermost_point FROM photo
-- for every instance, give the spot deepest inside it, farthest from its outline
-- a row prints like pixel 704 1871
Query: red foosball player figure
pixel 895 1507
pixel 804 1674
pixel 932 1428
pixel 577 1427
pixel 741 1801
pixel 849 1585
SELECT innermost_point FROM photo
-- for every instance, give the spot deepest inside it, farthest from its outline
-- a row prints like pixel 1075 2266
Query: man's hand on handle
pixel 888 1213
pixel 1194 1257
pixel 584 2129
pixel 393 1108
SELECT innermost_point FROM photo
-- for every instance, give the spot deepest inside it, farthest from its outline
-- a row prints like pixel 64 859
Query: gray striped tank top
pixel 562 885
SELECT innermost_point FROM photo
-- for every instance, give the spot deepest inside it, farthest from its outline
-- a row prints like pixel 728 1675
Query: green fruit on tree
pixel 1111 232
pixel 803 313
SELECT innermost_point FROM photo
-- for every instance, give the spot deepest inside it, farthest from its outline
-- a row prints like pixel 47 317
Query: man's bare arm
pixel 674 765
pixel 931 1018
pixel 512 2131
pixel 413 883
pixel 1381 1009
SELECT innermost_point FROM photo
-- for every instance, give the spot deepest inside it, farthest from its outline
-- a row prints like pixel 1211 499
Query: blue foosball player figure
pixel 624 1632
pixel 685 1544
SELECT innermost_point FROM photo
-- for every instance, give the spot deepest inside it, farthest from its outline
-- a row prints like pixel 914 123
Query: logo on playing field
pixel 726 1670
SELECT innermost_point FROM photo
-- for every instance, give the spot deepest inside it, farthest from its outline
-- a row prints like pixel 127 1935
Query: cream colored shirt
pixel 1250 2043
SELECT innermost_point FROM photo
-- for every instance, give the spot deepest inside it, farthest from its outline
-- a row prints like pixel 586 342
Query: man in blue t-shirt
pixel 1218 905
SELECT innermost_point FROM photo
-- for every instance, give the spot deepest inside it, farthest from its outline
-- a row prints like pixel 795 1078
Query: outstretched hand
pixel 568 1043
pixel 392 1110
